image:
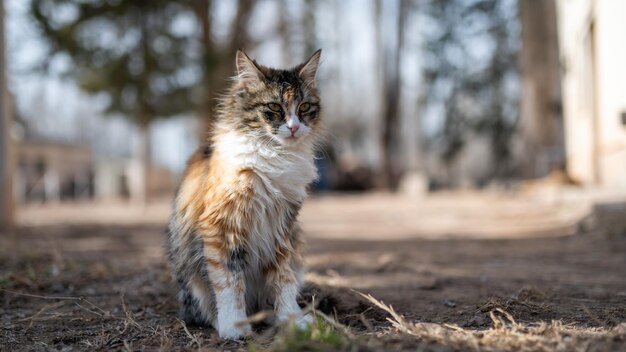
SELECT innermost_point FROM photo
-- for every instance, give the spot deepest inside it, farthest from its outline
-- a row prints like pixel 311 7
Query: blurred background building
pixel 110 98
pixel 593 53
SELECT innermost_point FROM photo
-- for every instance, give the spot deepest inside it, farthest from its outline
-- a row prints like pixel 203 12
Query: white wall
pixel 593 55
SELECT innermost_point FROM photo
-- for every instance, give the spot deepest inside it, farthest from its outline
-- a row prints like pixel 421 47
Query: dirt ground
pixel 466 272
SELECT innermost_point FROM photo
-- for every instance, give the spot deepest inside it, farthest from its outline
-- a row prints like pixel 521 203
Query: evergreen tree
pixel 132 52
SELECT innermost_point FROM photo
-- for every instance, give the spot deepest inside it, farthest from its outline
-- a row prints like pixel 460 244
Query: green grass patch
pixel 4 281
pixel 319 336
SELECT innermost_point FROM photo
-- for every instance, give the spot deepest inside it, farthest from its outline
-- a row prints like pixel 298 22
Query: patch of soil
pixel 100 287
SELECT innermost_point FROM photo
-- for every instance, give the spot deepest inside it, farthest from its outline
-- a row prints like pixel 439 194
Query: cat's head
pixel 280 105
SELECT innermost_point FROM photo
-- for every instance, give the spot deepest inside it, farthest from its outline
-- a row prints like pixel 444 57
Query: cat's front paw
pixel 233 330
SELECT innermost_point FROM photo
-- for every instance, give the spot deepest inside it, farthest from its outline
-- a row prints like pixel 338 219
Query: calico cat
pixel 233 240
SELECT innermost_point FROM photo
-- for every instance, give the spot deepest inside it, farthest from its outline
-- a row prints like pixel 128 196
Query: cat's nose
pixel 294 128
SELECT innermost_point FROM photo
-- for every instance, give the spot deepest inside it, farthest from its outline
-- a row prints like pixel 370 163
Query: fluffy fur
pixel 233 239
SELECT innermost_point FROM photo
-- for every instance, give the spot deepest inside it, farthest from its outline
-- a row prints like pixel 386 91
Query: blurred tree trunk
pixel 203 13
pixel 219 62
pixel 541 119
pixel 308 27
pixel 391 97
pixel 239 29
pixel 7 218
pixel 143 123
pixel 413 158
pixel 284 32
pixel 143 164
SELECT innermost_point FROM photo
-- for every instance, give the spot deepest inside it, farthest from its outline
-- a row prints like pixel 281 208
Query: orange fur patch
pixel 217 201
pixel 289 94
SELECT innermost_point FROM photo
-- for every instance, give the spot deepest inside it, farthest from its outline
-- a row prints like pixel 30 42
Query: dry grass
pixel 508 335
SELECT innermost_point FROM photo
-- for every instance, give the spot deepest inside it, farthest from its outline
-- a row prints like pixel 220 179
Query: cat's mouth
pixel 291 138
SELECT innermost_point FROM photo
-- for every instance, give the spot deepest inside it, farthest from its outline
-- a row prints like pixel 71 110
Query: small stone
pixel 450 304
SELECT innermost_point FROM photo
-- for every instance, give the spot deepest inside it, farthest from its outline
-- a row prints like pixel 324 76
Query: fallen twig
pixel 65 298
pixel 193 338
pixel 100 312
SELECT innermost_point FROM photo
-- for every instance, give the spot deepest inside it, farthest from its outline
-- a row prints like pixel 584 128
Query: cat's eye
pixel 274 107
pixel 304 107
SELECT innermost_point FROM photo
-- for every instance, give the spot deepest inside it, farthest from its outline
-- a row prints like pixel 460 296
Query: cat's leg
pixel 190 310
pixel 225 225
pixel 201 307
pixel 198 303
pixel 285 276
pixel 187 258
pixel 226 272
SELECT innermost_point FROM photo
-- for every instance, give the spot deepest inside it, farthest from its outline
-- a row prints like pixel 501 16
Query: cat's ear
pixel 308 70
pixel 247 69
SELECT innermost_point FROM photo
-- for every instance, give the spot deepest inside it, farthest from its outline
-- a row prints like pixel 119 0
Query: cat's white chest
pixel 283 179
pixel 284 174
pixel 286 178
